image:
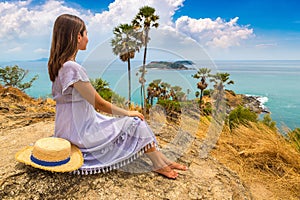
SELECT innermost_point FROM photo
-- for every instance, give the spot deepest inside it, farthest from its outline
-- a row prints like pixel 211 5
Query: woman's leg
pixel 162 165
pixel 171 164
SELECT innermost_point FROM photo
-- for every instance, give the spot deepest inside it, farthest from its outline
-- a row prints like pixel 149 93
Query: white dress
pixel 106 142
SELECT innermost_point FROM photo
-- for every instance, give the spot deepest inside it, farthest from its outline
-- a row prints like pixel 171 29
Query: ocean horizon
pixel 275 82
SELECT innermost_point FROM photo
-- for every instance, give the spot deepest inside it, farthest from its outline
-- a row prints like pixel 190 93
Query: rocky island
pixel 177 65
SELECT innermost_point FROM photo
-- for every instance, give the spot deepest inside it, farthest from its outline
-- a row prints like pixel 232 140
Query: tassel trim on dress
pixel 118 165
pixel 109 168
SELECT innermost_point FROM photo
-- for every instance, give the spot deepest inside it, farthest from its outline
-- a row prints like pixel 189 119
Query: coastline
pixel 256 103
pixel 282 96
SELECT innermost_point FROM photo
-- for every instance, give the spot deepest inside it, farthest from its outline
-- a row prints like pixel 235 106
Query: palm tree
pixel 125 44
pixel 145 19
pixel 187 93
pixel 164 90
pixel 154 90
pixel 202 73
pixel 220 80
pixel 176 93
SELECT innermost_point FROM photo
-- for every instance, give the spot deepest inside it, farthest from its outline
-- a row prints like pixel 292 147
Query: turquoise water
pixel 276 81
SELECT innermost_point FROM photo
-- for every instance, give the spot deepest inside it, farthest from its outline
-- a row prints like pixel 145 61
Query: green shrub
pixel 267 120
pixel 207 92
pixel 170 105
pixel 294 137
pixel 200 103
pixel 13 76
pixel 241 115
pixel 172 108
pixel 207 110
pixel 102 87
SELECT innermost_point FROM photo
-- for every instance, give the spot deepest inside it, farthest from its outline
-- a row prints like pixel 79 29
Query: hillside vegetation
pixel 249 161
pixel 267 161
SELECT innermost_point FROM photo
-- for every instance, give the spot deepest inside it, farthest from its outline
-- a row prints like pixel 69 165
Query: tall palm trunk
pixel 142 102
pixel 129 82
pixel 144 71
pixel 201 96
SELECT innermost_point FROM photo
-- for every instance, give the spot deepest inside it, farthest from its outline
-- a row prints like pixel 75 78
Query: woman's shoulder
pixel 72 65
pixel 72 70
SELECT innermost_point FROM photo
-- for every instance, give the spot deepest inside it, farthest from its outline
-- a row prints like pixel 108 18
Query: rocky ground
pixel 24 120
pixel 205 179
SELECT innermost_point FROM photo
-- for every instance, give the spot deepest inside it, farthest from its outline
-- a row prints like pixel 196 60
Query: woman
pixel 106 142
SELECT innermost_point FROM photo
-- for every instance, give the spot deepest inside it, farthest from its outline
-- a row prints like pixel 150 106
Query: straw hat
pixel 52 154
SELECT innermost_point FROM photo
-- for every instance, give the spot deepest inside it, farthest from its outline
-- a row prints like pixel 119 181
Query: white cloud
pixel 18 20
pixel 213 33
pixel 25 25
pixel 266 45
pixel 24 3
pixel 13 50
pixel 40 50
pixel 21 23
pixel 121 11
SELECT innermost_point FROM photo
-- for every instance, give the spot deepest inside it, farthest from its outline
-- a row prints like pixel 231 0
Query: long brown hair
pixel 64 42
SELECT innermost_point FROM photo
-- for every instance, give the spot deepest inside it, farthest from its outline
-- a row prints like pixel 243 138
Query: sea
pixel 275 82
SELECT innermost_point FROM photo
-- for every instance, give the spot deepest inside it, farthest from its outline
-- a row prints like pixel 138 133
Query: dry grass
pixel 264 160
pixel 17 109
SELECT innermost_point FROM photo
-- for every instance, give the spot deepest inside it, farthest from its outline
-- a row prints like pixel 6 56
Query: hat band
pixel 47 163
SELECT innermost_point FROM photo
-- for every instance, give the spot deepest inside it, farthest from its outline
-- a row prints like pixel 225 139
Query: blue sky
pixel 225 30
pixel 261 14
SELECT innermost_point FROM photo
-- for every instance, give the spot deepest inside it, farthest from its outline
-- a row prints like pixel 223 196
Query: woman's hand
pixel 136 114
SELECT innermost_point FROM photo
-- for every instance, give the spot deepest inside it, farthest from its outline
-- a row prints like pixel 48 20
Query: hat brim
pixel 76 160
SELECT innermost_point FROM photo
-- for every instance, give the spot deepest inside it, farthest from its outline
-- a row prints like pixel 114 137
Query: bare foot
pixel 175 165
pixel 167 172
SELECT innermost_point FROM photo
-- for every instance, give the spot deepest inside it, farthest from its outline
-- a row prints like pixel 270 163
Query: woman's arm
pixel 87 91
